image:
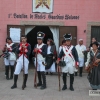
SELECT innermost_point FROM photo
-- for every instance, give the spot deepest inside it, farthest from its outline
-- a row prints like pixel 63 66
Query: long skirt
pixel 52 68
pixel 49 61
pixel 94 78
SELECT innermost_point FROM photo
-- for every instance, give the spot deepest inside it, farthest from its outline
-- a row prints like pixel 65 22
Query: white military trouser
pixel 8 62
pixel 40 66
pixel 69 68
pixel 20 65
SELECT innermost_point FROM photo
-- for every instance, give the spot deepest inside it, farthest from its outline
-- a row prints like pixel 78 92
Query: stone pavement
pixel 81 87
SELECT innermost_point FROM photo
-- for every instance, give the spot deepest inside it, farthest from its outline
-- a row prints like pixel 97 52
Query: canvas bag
pixel 12 56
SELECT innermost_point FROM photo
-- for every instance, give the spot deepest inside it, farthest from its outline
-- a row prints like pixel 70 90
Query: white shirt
pixel 48 50
pixel 80 49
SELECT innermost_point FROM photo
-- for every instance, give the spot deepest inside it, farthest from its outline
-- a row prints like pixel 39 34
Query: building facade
pixel 81 18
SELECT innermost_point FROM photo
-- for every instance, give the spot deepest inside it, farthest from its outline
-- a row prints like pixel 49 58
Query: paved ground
pixel 81 87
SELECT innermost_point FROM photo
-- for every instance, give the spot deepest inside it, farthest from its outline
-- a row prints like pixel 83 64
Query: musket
pixel 6 53
pixel 92 64
pixel 35 77
pixel 23 72
pixel 59 78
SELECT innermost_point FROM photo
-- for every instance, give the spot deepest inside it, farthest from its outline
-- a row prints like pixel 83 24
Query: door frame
pixel 88 32
pixel 24 26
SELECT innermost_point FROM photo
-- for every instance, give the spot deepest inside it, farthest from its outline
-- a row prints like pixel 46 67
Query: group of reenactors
pixel 69 59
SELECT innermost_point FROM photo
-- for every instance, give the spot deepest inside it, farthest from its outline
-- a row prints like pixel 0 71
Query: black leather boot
pixel 46 73
pixel 15 82
pixel 51 73
pixel 12 72
pixel 64 81
pixel 81 69
pixel 71 82
pixel 7 72
pixel 25 80
pixel 44 80
pixel 75 73
pixel 39 79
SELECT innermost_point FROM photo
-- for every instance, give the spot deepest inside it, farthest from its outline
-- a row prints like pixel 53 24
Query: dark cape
pixel 94 75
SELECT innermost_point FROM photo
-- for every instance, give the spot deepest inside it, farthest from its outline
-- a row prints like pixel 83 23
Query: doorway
pixel 54 32
pixel 32 37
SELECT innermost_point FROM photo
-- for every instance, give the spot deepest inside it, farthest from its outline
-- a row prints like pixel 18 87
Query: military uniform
pixel 22 63
pixel 8 61
pixel 41 54
pixel 70 57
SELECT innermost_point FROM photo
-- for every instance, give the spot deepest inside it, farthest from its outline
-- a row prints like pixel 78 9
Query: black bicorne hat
pixel 40 35
pixel 67 36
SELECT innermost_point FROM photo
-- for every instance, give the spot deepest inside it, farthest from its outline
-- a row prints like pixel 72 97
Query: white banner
pixel 41 6
pixel 15 34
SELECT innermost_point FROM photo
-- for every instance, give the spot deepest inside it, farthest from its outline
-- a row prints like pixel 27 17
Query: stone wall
pixel 1 62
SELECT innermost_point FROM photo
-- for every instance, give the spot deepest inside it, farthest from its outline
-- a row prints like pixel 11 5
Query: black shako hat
pixel 67 36
pixel 40 35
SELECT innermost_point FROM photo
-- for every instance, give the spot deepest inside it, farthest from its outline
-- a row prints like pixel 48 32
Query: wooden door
pixel 68 29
